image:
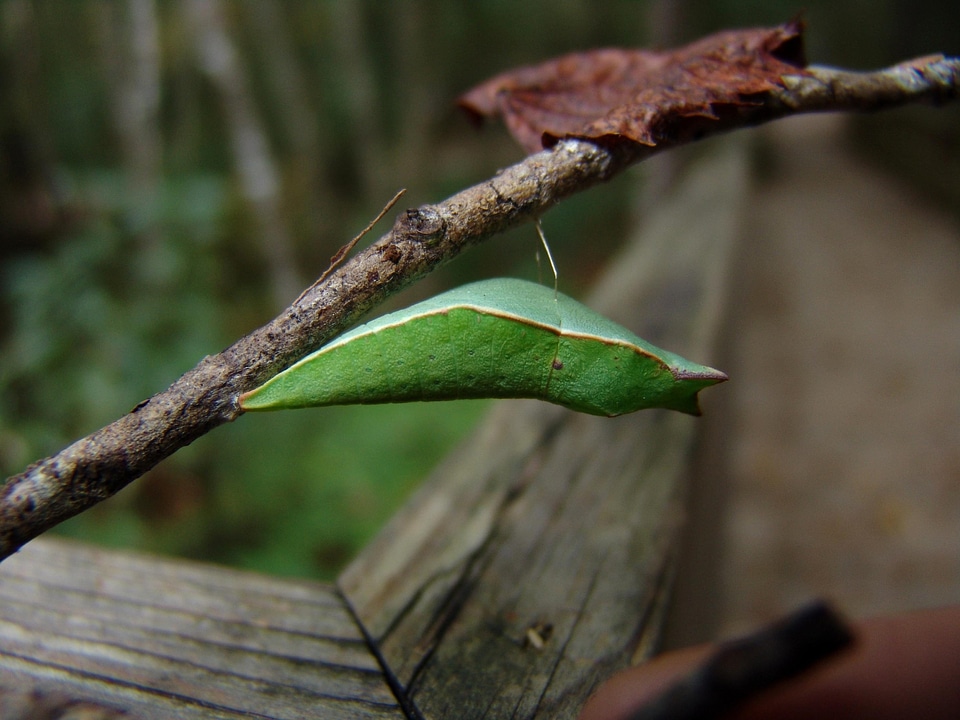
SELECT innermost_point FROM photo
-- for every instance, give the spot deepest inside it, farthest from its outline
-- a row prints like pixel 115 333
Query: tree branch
pixel 422 239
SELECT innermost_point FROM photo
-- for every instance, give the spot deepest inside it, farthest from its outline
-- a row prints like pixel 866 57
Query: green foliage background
pixel 109 293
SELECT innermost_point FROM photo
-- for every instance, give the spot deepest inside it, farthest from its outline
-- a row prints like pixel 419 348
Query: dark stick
pixel 742 669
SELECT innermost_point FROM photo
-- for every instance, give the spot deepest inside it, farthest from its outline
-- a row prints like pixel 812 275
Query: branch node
pixel 420 224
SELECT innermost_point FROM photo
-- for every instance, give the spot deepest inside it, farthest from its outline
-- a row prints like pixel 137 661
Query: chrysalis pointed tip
pixel 704 374
pixel 696 379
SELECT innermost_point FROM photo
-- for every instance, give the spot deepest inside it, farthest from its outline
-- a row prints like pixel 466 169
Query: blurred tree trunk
pixel 412 147
pixel 352 49
pixel 129 45
pixel 31 206
pixel 269 27
pixel 259 180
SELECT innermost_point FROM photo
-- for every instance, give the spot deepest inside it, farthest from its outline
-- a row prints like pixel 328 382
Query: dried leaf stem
pixel 422 239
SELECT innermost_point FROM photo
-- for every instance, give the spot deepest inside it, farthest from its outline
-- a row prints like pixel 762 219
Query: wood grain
pixel 166 639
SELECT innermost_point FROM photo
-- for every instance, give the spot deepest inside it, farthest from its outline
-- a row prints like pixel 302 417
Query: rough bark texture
pixel 424 238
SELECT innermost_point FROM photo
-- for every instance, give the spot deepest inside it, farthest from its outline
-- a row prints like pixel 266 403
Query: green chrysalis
pixel 500 338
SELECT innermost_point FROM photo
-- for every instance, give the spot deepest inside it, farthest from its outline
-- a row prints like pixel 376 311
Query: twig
pixel 740 670
pixel 422 239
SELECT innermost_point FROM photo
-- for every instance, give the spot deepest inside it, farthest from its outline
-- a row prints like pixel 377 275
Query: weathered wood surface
pixel 533 563
pixel 537 559
pixel 162 639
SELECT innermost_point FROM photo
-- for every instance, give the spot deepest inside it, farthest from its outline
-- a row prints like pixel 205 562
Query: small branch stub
pixel 422 223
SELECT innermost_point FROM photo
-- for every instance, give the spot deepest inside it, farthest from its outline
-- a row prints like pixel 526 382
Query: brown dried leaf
pixel 641 96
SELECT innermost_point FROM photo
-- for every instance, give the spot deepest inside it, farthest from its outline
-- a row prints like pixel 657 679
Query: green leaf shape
pixel 498 338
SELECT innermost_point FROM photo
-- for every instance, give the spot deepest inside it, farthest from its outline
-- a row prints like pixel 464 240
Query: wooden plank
pixel 537 559
pixel 169 639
